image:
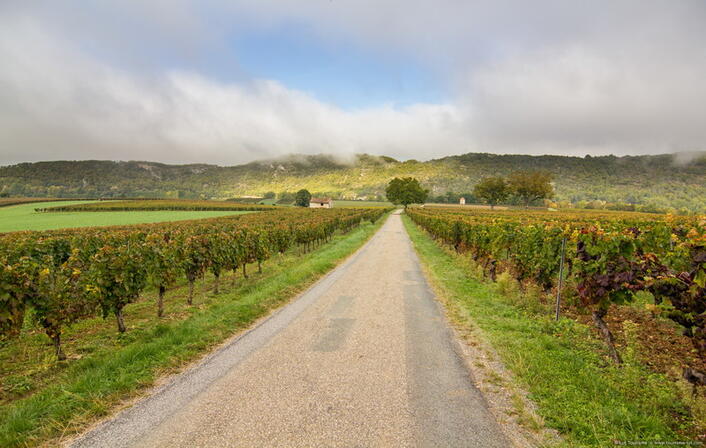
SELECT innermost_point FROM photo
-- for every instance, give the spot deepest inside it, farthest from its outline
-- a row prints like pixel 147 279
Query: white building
pixel 321 203
pixel 462 201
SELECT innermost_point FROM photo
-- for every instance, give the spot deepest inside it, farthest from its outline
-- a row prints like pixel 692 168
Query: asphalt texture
pixel 364 358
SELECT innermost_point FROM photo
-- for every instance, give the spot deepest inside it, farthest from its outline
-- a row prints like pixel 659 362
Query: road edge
pixel 495 382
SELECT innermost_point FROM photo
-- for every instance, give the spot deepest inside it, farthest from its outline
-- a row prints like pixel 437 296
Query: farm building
pixel 462 201
pixel 321 203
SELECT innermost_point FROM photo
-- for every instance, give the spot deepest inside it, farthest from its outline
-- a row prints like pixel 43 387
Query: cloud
pixel 70 107
pixel 575 100
pixel 125 80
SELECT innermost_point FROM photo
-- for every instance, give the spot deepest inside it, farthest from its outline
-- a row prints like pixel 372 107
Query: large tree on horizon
pixel 302 198
pixel 405 191
pixel 530 186
pixel 492 190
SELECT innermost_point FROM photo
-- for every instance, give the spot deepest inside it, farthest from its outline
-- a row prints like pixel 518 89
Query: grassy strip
pixel 588 400
pixel 90 387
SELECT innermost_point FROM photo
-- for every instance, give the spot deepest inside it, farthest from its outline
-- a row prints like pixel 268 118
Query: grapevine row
pixel 609 257
pixel 67 275
pixel 154 205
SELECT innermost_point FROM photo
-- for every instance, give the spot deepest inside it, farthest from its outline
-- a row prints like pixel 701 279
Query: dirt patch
pixel 661 345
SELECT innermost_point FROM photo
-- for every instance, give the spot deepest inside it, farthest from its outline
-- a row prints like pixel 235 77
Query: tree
pixel 451 198
pixel 530 186
pixel 492 190
pixel 302 198
pixel 269 195
pixel 285 197
pixel 405 191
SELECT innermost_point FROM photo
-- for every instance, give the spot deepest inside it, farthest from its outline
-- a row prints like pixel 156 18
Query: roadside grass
pixel 49 400
pixel 23 217
pixel 578 392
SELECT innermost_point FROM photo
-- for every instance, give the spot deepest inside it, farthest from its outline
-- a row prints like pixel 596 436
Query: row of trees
pixel 451 197
pixel 526 186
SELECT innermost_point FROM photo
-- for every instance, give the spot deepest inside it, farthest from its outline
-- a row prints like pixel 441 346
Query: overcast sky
pixel 228 82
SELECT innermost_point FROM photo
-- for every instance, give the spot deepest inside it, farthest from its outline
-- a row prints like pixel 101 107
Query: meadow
pixel 24 217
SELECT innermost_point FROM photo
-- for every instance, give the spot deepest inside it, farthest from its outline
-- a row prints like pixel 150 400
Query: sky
pixel 231 81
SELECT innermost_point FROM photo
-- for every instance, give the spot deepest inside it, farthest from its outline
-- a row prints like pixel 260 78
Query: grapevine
pixel 610 256
pixel 64 276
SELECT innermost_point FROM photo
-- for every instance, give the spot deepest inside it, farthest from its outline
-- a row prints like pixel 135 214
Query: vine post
pixel 560 283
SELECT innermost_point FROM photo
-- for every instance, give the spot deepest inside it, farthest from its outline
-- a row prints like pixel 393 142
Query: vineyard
pixel 8 202
pixel 142 205
pixel 594 259
pixel 57 278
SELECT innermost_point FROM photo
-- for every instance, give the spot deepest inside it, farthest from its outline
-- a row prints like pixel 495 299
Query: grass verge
pixel 562 366
pixel 110 369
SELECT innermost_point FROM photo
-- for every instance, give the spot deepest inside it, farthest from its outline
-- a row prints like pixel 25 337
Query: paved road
pixel 363 359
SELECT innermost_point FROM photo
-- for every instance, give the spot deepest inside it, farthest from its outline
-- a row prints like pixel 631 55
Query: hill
pixel 663 181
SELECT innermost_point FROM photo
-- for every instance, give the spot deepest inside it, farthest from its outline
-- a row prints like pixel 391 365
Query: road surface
pixel 362 359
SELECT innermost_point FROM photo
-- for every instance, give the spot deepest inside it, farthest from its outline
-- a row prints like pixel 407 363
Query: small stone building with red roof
pixel 321 203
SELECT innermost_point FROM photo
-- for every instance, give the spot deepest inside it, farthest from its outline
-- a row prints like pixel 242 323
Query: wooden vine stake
pixel 561 278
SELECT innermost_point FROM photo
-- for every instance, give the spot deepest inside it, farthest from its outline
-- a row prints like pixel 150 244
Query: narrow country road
pixel 362 359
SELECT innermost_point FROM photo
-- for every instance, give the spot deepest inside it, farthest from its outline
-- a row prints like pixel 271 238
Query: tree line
pixel 525 187
pixel 617 180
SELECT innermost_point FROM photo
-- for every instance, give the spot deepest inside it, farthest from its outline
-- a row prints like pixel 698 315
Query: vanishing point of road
pixel 364 358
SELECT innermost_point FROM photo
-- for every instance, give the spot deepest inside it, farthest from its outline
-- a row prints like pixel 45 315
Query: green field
pixel 23 217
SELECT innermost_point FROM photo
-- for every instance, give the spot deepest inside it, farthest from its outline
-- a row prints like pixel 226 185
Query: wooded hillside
pixel 658 181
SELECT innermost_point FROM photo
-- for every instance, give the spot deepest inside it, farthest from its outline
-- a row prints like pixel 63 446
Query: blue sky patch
pixel 338 73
